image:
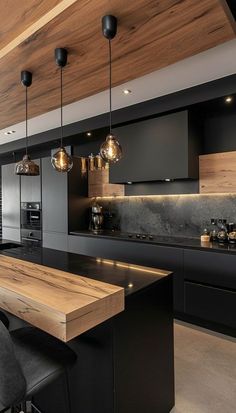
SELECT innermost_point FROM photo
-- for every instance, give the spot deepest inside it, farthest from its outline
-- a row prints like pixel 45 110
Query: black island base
pixel 126 364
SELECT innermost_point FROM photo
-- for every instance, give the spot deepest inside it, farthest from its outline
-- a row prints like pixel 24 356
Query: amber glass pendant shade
pixel 26 167
pixel 111 150
pixel 62 161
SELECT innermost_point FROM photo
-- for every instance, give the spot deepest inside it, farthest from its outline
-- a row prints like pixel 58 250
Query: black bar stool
pixel 4 319
pixel 30 360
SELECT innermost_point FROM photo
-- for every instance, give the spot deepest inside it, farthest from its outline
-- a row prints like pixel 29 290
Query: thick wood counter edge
pixel 62 304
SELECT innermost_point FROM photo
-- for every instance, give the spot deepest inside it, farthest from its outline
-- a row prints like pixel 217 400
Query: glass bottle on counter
pixel 214 229
pixel 222 235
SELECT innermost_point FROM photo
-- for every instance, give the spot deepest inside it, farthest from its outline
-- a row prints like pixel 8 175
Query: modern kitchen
pixel 118 206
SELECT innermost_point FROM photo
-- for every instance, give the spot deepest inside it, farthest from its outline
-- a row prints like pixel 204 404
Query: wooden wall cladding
pixel 217 173
pixel 62 304
pixel 98 184
pixel 151 35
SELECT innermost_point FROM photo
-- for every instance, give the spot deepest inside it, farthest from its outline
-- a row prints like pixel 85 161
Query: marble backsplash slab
pixel 178 215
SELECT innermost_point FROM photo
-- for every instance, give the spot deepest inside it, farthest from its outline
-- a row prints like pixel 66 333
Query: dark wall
pixel 220 133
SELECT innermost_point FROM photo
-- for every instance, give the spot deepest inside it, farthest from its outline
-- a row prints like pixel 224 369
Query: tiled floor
pixel 205 370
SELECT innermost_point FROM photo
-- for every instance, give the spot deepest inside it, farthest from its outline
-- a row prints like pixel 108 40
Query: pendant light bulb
pixel 110 150
pixel 26 166
pixel 61 160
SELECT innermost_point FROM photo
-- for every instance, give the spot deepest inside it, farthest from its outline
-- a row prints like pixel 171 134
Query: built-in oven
pixel 31 222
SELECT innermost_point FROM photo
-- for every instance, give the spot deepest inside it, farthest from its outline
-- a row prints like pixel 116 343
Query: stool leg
pixel 68 392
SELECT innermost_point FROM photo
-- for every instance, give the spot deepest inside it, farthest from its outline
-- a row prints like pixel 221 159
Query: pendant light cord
pixel 61 108
pixel 110 85
pixel 26 120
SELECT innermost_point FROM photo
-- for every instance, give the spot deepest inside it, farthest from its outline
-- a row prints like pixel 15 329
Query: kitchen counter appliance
pixel 31 223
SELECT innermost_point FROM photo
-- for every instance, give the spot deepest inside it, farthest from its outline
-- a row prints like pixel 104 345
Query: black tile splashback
pixel 184 215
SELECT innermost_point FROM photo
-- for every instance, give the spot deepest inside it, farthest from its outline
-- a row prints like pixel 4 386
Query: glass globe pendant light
pixel 110 150
pixel 26 166
pixel 61 160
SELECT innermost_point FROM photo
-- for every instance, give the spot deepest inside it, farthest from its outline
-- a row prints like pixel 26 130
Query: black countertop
pixel 171 241
pixel 132 278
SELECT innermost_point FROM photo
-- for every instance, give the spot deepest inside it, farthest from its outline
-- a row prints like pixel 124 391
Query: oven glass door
pixel 31 219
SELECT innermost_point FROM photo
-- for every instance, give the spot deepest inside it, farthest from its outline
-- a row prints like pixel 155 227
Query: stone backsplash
pixel 180 215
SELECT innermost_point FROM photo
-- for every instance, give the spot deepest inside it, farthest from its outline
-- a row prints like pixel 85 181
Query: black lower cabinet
pixel 211 304
pixel 215 272
pixel 210 289
pixel 124 365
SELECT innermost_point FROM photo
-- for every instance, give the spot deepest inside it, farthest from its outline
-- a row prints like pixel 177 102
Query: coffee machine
pixel 97 218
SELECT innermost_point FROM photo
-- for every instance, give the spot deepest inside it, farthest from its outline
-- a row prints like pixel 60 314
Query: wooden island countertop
pixel 64 305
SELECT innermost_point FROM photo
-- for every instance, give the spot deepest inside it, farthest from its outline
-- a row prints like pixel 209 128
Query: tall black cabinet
pixel 54 207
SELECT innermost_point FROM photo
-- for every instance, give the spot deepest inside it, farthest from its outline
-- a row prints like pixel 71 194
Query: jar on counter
pixel 205 237
pixel 232 233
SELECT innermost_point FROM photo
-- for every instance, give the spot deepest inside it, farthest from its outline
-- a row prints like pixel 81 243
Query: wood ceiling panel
pixel 151 35
pixel 18 15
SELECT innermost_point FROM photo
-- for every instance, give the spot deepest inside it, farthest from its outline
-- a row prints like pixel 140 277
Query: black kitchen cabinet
pixel 210 287
pixel 160 257
pixel 160 148
pixel 204 281
pixel 211 304
pixel 31 186
pixel 212 268
pixel 64 203
pixel 10 203
pixel 54 207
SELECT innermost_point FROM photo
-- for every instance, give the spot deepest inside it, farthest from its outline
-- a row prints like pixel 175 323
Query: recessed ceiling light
pixel 129 183
pixel 167 180
pixel 127 91
pixel 228 99
pixel 89 133
pixel 9 132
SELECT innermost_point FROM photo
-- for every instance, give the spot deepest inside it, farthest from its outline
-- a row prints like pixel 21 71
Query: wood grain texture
pixel 43 13
pixel 17 16
pixel 62 304
pixel 98 184
pixel 217 172
pixel 151 35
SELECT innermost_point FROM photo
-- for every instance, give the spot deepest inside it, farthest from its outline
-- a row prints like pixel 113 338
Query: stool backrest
pixel 12 381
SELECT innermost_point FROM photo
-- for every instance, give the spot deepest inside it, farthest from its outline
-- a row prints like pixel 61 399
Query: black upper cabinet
pixel 158 149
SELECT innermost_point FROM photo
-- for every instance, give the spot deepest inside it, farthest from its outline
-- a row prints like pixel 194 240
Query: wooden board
pixel 62 304
pixel 17 16
pixel 217 172
pixel 151 35
pixel 98 184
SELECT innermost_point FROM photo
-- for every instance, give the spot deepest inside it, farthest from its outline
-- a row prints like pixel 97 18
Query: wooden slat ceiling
pixel 151 35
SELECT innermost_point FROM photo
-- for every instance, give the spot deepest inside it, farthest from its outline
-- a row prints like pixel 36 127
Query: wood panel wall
pixel 217 173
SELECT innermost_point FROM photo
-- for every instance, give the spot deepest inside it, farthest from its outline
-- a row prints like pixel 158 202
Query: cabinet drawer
pixel 13 234
pixel 55 241
pixel 211 304
pixel 213 268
